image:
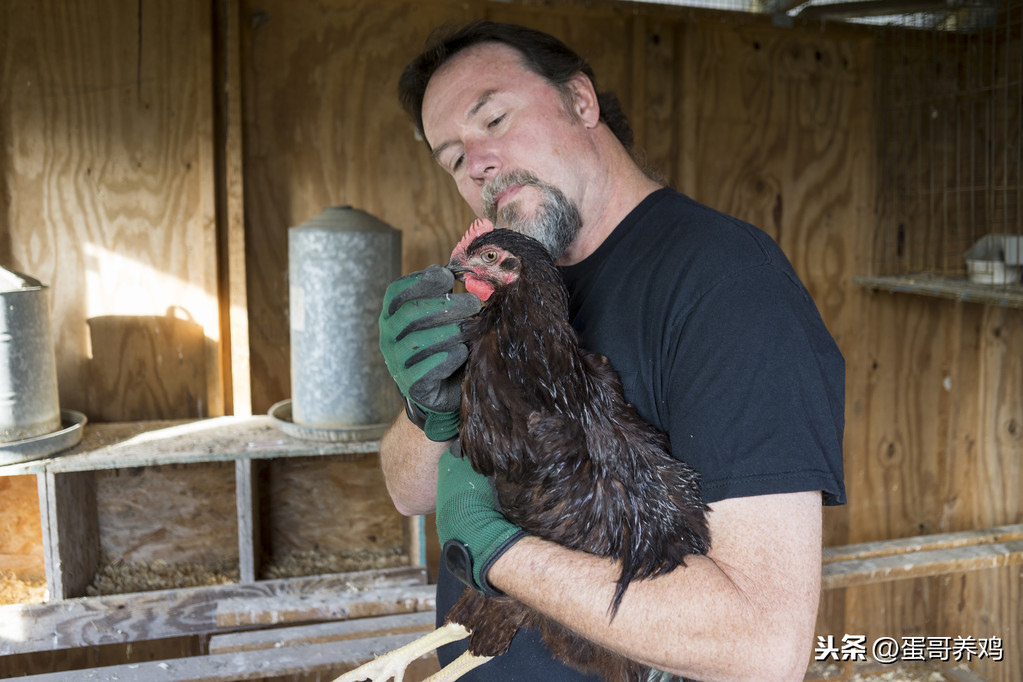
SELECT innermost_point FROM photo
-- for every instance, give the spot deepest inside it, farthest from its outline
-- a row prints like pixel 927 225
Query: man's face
pixel 508 138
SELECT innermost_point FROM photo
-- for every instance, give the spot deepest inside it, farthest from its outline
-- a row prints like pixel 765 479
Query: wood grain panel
pixel 893 480
pixel 146 367
pixel 896 485
pixel 984 605
pixel 656 114
pixel 323 128
pixel 103 163
pixel 21 538
pixel 177 514
pixel 981 476
pixel 330 504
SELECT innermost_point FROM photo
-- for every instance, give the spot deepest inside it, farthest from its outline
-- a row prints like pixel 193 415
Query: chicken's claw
pixel 393 663
pixel 458 667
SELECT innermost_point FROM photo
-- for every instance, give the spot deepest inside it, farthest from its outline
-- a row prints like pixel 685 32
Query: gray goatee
pixel 556 222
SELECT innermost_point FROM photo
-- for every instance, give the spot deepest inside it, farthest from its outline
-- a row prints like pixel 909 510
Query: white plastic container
pixel 995 259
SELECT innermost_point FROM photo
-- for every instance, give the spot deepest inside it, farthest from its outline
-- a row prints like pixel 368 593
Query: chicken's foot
pixel 458 667
pixel 393 663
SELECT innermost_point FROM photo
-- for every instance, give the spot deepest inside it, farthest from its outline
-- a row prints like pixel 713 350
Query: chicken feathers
pixel 572 462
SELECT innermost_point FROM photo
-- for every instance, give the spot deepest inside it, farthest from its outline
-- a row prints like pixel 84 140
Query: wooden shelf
pixel 155 443
pixel 68 489
pixel 957 288
pixel 142 616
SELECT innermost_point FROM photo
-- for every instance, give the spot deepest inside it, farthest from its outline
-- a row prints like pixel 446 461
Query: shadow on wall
pixel 146 367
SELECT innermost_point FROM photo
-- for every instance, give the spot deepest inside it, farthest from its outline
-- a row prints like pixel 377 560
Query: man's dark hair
pixel 541 53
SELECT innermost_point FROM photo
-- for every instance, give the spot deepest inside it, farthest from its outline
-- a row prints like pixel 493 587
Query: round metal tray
pixel 38 447
pixel 281 414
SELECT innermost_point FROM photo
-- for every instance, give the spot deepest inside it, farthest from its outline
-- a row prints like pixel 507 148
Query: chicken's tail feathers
pixel 612 609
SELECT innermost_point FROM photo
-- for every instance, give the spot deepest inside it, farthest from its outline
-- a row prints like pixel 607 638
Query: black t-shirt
pixel 720 346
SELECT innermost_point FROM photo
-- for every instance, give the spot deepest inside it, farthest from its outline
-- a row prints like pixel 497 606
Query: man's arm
pixel 409 461
pixel 745 611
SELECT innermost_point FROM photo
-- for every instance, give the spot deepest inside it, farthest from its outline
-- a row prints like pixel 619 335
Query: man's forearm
pixel 409 462
pixel 711 620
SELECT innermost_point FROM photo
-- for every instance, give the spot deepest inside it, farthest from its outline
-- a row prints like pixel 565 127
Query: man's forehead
pixel 463 84
pixel 488 54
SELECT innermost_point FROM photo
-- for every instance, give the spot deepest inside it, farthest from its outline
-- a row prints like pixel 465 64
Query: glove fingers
pixel 453 308
pixel 422 361
pixel 446 344
pixel 439 388
pixel 432 282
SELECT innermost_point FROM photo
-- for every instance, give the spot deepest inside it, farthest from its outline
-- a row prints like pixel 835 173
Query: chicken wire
pixel 949 106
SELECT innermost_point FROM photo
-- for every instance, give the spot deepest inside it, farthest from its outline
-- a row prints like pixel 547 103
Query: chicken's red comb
pixel 478 227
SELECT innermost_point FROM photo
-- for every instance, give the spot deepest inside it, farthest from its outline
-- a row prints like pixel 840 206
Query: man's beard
pixel 556 222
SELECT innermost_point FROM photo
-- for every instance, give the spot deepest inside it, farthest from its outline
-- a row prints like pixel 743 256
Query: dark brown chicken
pixel 572 461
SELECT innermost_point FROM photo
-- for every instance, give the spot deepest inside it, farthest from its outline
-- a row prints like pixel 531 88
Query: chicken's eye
pixel 489 256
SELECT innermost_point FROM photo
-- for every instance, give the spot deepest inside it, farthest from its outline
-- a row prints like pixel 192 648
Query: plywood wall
pixel 107 184
pixel 109 128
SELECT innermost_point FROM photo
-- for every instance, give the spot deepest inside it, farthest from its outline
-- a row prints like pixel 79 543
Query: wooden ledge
pixel 125 445
pixel 921 556
pixel 327 659
pixel 141 616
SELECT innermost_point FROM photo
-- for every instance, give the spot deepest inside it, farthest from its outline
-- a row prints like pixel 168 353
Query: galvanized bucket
pixel 339 264
pixel 29 404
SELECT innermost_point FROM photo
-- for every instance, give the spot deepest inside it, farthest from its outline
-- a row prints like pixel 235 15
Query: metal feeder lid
pixel 345 218
pixel 12 280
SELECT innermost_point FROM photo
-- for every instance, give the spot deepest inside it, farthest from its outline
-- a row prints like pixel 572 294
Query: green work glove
pixel 422 343
pixel 470 526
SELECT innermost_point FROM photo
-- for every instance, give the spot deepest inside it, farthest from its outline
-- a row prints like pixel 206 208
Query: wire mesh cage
pixel 949 122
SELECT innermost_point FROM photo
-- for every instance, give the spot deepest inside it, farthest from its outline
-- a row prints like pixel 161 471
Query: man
pixel 717 343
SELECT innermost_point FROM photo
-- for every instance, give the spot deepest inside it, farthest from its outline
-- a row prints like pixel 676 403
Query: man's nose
pixel 483 163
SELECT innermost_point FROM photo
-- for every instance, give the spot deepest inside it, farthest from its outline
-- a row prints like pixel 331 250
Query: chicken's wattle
pixel 481 289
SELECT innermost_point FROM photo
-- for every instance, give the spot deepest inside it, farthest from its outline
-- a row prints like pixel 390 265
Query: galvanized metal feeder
pixel 32 424
pixel 339 264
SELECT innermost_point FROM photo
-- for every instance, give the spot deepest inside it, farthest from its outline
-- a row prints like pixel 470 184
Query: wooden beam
pixel 920 564
pixel 140 616
pixel 869 8
pixel 247 500
pixel 292 608
pixel 67 504
pixel 253 665
pixel 234 314
pixel 206 209
pixel 920 543
pixel 320 633
pixel 141 444
pixel 950 287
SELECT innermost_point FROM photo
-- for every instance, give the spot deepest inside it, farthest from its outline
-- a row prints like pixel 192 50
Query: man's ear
pixel 584 99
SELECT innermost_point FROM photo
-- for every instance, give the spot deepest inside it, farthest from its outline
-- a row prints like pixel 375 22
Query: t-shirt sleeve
pixel 756 390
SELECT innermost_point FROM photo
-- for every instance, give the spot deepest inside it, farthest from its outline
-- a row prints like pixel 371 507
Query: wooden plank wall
pixel 107 181
pixel 104 161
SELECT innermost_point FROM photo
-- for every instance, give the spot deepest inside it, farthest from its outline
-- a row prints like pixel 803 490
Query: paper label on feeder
pixel 297 308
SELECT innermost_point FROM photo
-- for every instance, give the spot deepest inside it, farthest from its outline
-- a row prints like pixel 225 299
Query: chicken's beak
pixel 457 269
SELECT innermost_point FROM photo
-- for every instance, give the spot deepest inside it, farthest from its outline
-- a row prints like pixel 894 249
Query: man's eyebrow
pixel 473 110
pixel 480 103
